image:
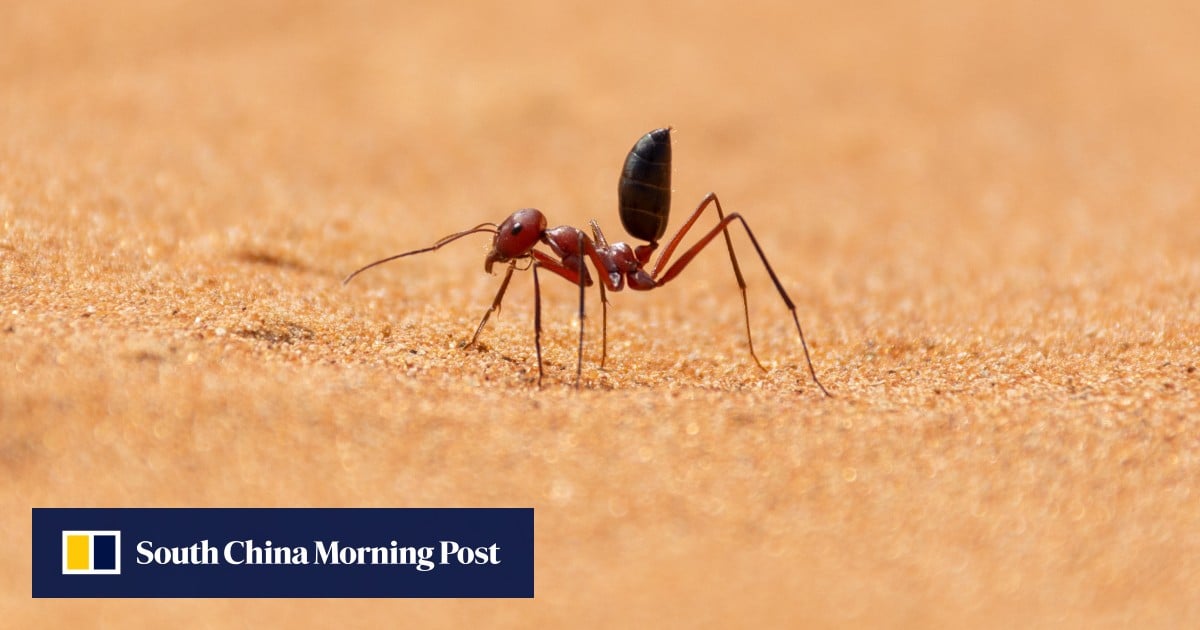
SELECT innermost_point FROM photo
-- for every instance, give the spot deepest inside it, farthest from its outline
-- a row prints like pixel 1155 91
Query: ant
pixel 644 199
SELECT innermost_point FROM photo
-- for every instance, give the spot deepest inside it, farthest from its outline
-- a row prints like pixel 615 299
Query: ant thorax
pixel 617 261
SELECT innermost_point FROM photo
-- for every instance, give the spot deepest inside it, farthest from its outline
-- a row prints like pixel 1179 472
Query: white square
pixel 91 534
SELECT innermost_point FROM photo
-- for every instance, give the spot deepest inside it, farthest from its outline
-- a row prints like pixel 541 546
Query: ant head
pixel 519 233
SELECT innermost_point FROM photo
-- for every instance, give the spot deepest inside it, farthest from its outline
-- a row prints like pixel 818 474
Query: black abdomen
pixel 644 192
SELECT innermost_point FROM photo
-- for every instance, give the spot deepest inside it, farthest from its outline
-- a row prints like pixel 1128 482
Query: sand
pixel 986 215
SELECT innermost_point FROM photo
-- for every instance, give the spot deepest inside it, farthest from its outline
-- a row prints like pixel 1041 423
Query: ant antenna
pixel 482 227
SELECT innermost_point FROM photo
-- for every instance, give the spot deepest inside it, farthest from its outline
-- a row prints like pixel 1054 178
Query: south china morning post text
pixel 239 552
pixel 288 552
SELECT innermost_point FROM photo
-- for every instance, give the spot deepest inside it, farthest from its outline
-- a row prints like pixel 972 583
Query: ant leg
pixel 601 243
pixel 495 305
pixel 603 326
pixel 579 360
pixel 722 227
pixel 577 276
pixel 537 319
pixel 711 198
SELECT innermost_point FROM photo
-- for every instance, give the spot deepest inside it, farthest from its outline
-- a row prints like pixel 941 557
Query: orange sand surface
pixel 986 213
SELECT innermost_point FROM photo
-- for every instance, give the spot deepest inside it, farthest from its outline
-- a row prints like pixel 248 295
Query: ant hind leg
pixel 711 198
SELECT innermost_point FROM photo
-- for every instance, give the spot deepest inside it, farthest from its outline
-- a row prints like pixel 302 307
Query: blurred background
pixel 970 135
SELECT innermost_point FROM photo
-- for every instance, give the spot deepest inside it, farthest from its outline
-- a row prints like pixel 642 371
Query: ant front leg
pixel 711 198
pixel 495 304
pixel 537 320
pixel 579 358
pixel 722 227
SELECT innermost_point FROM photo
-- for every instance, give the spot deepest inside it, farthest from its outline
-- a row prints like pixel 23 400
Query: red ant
pixel 644 196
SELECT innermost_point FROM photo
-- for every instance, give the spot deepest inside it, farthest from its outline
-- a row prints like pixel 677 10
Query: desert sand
pixel 986 215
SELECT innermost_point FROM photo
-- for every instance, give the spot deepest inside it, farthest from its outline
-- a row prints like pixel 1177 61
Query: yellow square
pixel 77 552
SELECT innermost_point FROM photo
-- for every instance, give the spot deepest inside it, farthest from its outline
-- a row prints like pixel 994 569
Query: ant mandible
pixel 644 197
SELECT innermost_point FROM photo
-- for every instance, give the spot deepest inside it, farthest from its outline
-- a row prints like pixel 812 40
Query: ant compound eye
pixel 516 229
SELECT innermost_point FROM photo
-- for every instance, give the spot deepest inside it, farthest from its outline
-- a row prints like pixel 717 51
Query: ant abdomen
pixel 644 192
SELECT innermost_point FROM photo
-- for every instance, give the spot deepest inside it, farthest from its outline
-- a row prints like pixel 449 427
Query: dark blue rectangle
pixel 290 552
pixel 104 552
